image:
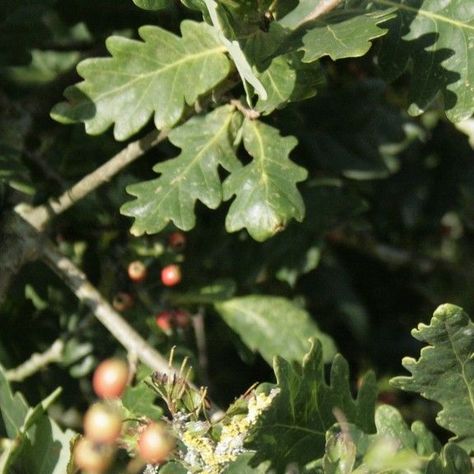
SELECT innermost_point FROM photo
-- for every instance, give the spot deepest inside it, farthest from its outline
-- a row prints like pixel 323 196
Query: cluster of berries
pixel 137 273
pixel 103 425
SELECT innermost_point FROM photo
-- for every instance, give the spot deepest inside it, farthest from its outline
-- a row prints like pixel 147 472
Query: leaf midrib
pixel 158 72
pixel 261 159
pixel 198 157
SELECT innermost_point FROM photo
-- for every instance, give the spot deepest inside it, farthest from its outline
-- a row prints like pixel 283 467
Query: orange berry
pixel 110 378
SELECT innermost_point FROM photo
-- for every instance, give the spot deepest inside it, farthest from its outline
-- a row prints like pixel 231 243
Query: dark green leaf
pixel 12 170
pixel 445 371
pixel 436 40
pixel 394 448
pixel 339 297
pixel 343 34
pixel 287 79
pixel 173 468
pixel 196 5
pixel 209 294
pixel 266 194
pixel 206 143
pixel 341 449
pixel 298 15
pixel 15 124
pixel 390 423
pixel 278 79
pixel 297 251
pixel 50 450
pixel 137 82
pixel 357 133
pixel 293 429
pixel 274 326
pixel 23 25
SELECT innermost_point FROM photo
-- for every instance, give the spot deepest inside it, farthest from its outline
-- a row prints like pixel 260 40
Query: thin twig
pixel 251 114
pixel 20 244
pixel 22 250
pixel 40 215
pixel 77 281
pixel 37 362
pixel 87 293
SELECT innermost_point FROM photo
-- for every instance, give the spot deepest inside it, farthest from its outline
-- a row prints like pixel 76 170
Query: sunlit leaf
pixel 274 326
pixel 445 371
pixel 266 196
pixel 292 431
pixel 343 34
pixel 157 76
pixel 206 143
pixel 288 79
pixel 436 40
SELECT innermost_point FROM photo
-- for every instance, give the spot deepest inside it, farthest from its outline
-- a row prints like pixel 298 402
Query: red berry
pixel 163 321
pixel 110 378
pixel 177 240
pixel 122 301
pixel 155 443
pixel 91 457
pixel 137 271
pixel 171 275
pixel 102 423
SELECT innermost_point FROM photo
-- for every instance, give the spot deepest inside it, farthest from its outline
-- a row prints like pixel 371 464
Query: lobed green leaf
pixel 445 371
pixel 266 197
pixel 345 34
pixel 288 79
pixel 206 143
pixel 158 75
pixel 292 431
pixel 436 40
